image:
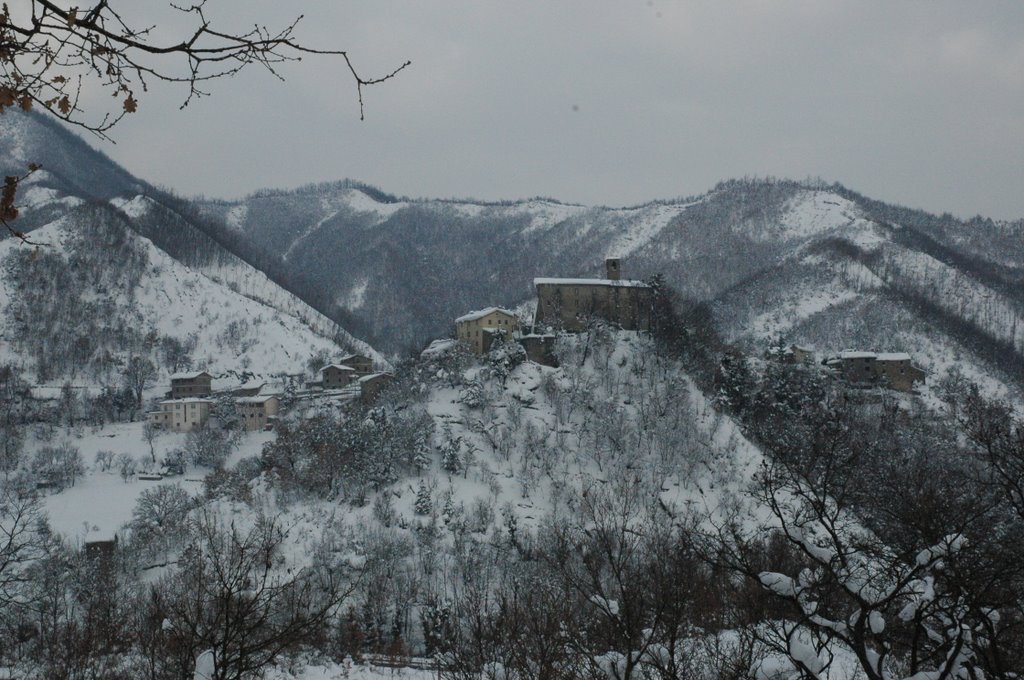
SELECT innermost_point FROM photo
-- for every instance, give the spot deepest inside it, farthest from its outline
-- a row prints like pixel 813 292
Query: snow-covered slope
pixel 234 319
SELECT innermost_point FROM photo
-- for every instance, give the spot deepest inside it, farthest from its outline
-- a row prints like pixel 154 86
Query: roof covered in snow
pixel 893 356
pixel 259 399
pixel 857 355
pixel 438 347
pixel 340 367
pixel 350 357
pixel 189 376
pixel 479 314
pixel 375 376
pixel 625 283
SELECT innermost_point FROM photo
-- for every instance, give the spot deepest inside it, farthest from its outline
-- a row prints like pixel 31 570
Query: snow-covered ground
pixel 101 502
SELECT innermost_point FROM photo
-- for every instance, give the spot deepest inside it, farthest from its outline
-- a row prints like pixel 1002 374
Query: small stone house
pixel 336 376
pixel 540 347
pixel 794 354
pixel 571 304
pixel 362 365
pixel 181 415
pixel 856 367
pixel 254 413
pixel 370 386
pixel 480 329
pixel 198 384
pixel 100 548
pixel 896 369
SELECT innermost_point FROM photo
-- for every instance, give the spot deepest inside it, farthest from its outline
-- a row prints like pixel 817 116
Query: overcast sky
pixel 614 102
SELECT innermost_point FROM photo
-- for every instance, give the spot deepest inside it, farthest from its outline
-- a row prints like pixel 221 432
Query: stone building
pixel 896 370
pixel 370 386
pixel 254 413
pixel 100 548
pixel 181 415
pixel 197 384
pixel 540 347
pixel 571 304
pixel 362 365
pixel 887 369
pixel 794 354
pixel 336 376
pixel 481 328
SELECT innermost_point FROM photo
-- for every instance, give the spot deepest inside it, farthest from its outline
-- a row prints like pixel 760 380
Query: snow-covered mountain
pixel 811 262
pixel 122 269
pixel 804 260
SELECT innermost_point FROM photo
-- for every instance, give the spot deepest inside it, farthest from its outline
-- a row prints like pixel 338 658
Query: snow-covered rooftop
pixel 189 376
pixel 259 399
pixel 624 283
pixel 349 357
pixel 374 376
pixel 188 400
pixel 438 347
pixel 893 356
pixel 857 355
pixel 340 367
pixel 479 314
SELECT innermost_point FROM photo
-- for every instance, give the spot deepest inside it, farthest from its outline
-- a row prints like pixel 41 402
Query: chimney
pixel 611 266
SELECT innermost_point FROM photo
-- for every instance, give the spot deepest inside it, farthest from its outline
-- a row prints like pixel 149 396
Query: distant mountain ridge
pixel 813 262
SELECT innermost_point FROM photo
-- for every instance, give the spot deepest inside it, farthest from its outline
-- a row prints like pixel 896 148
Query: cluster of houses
pixel 570 305
pixel 190 402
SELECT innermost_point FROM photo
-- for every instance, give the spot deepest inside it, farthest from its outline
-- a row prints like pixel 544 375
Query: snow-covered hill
pixel 815 263
pixel 773 257
pixel 131 297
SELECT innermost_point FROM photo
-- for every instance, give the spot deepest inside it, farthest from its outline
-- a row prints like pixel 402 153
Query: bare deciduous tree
pixel 235 596
pixel 22 542
pixel 52 52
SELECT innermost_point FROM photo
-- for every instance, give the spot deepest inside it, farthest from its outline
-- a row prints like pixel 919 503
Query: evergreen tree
pixel 451 460
pixel 424 503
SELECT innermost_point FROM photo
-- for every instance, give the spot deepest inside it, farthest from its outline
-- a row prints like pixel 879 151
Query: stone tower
pixel 612 268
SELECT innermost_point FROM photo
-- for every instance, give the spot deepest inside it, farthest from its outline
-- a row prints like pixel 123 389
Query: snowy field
pixel 101 502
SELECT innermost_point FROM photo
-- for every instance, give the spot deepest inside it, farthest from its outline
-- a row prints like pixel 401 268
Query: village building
pixel 197 384
pixel 256 412
pixel 480 329
pixel 540 347
pixel 896 370
pixel 571 304
pixel 370 386
pixel 100 548
pixel 892 370
pixel 248 388
pixel 362 365
pixel 794 354
pixel 337 376
pixel 181 415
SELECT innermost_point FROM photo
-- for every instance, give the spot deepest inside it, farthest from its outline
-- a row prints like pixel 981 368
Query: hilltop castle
pixel 570 304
